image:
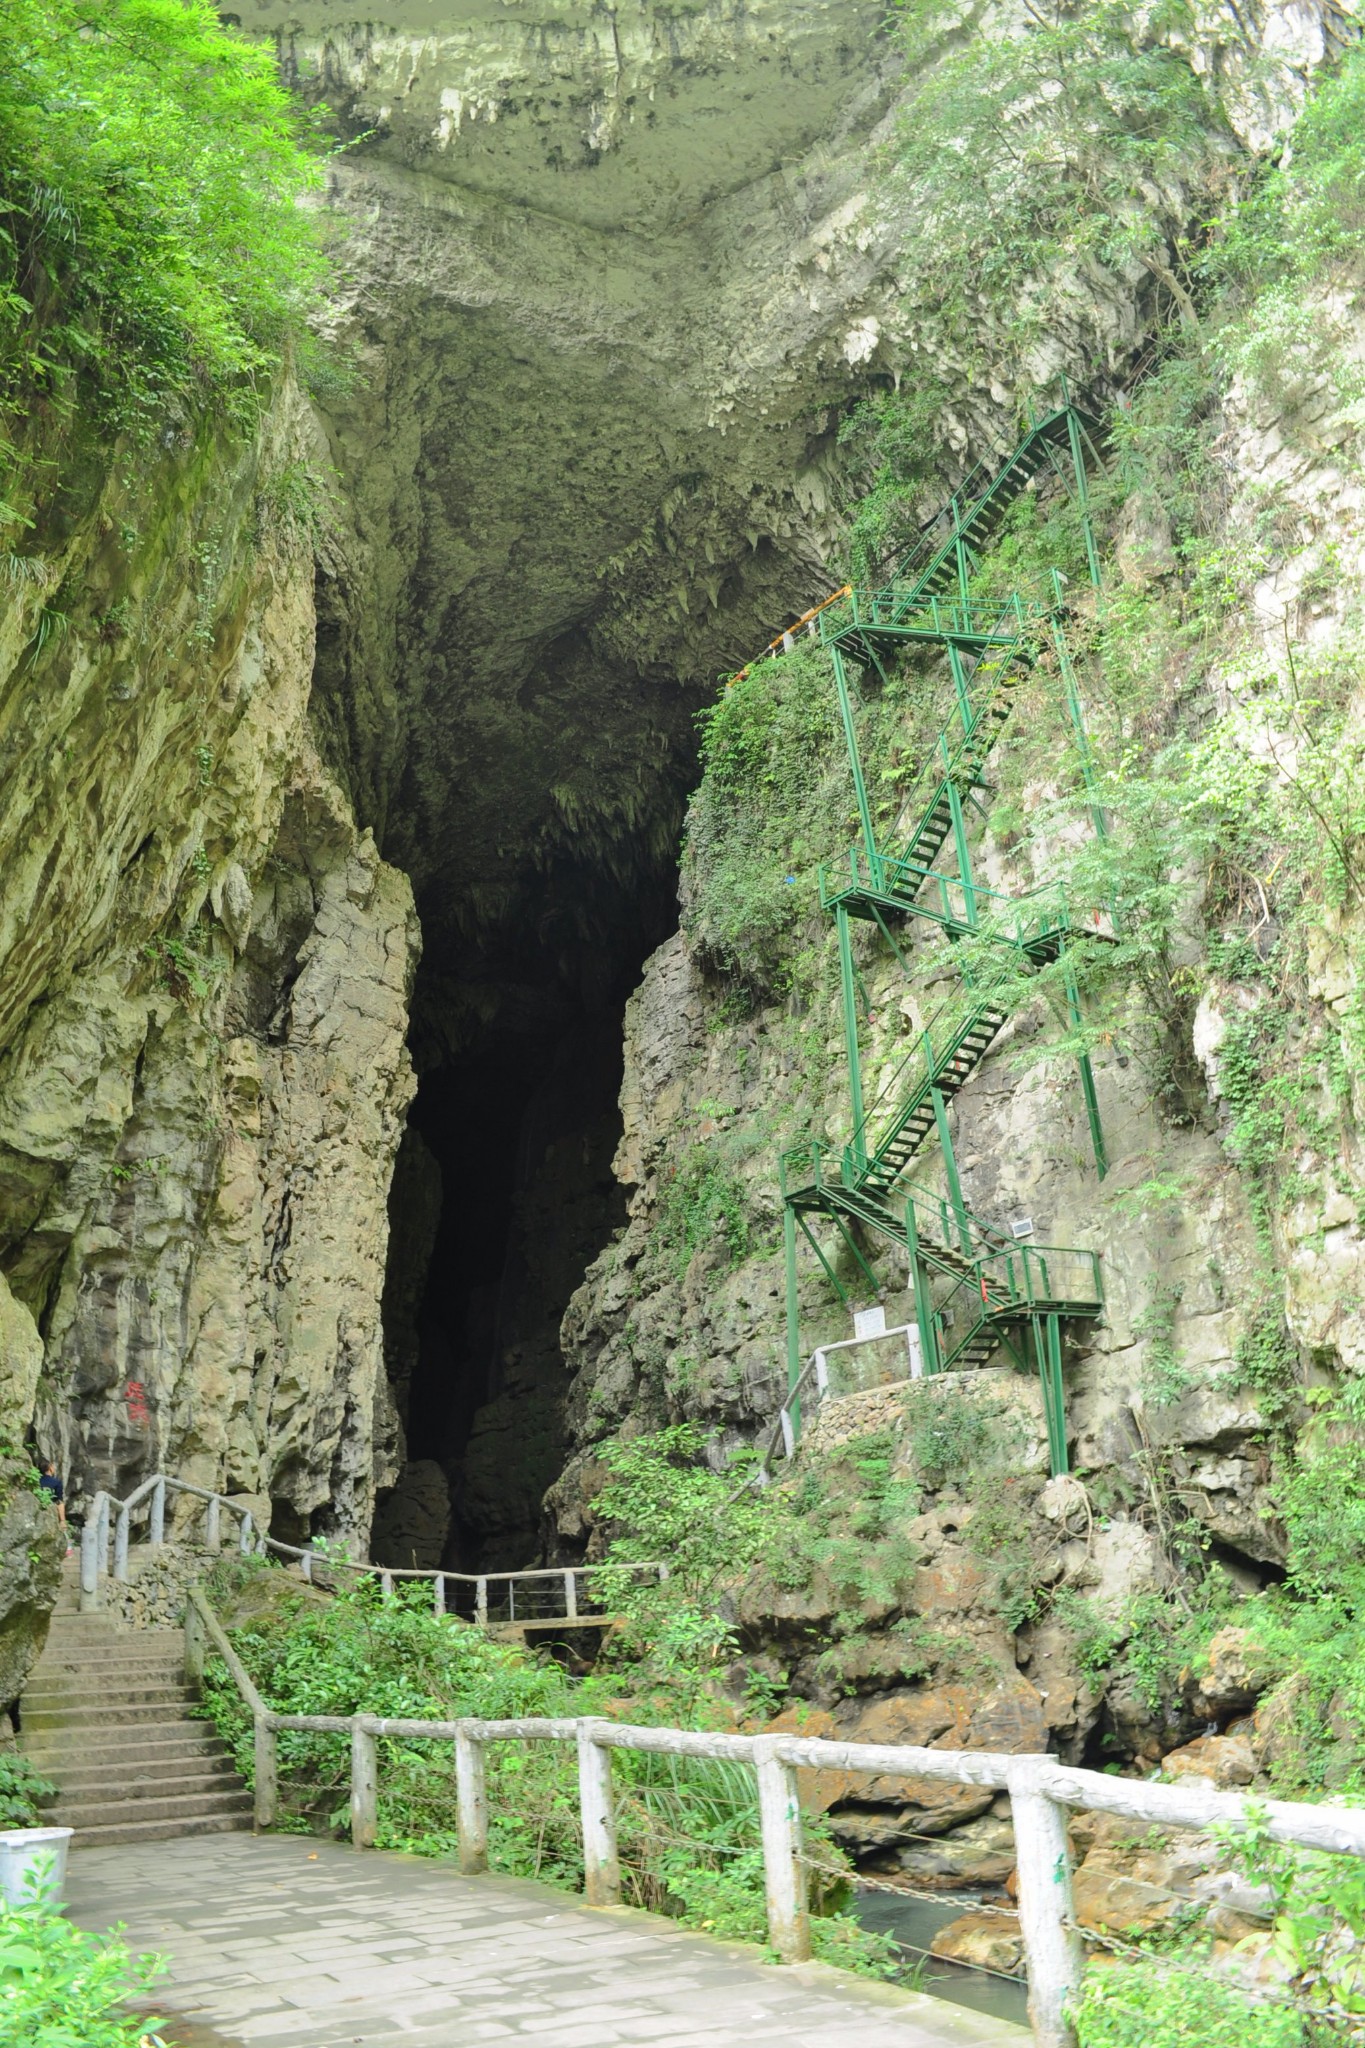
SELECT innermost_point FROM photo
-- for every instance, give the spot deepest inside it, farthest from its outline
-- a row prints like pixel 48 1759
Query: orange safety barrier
pixel 779 640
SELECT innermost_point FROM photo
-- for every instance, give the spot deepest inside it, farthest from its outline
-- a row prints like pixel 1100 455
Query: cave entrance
pixel 502 1196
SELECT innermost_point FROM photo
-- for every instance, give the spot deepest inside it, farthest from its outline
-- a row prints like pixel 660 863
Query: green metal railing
pixel 973 1287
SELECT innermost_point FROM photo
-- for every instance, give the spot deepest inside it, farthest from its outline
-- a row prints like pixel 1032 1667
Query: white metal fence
pixel 1041 1791
pixel 544 1598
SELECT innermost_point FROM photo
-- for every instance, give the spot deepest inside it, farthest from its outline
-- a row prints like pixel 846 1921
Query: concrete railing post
pixel 267 1794
pixel 156 1527
pixel 784 1877
pixel 471 1802
pixel 481 1602
pixel 121 1533
pixel 195 1644
pixel 364 1787
pixel 438 1594
pixel 91 1557
pixel 212 1533
pixel 1052 1948
pixel 570 1596
pixel 601 1864
pixel 386 1585
pixel 244 1536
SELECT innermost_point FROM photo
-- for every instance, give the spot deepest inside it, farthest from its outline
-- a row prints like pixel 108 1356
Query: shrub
pixel 63 1988
pixel 1149 2005
pixel 21 1789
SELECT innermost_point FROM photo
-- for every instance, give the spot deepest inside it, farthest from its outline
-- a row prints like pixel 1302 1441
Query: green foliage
pixel 1319 1918
pixel 1026 158
pixel 152 245
pixel 63 1988
pixel 21 1790
pixel 948 1437
pixel 1323 1500
pixel 1150 2005
pixel 702 1201
pixel 770 806
pixel 1095 1636
pixel 1164 1378
pixel 665 1501
pixel 185 966
pixel 687 1828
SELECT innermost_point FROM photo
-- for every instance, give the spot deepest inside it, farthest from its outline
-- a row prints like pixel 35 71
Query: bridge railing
pixel 540 1598
pixel 1041 1792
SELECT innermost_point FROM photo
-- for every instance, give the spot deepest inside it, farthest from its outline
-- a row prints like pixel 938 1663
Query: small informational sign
pixel 869 1322
pixel 1021 1226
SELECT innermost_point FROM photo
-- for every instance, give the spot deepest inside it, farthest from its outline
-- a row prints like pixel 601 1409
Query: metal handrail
pixel 1041 1792
pixel 111 1520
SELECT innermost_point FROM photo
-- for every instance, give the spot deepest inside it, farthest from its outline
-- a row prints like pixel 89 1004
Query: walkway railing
pixel 541 1598
pixel 1041 1791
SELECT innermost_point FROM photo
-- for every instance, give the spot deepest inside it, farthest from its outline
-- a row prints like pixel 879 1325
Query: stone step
pixel 176 1742
pixel 84 1813
pixel 100 1698
pixel 131 1715
pixel 159 1830
pixel 174 1776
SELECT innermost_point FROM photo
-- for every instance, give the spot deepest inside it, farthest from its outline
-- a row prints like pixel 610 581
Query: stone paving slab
pixel 279 1942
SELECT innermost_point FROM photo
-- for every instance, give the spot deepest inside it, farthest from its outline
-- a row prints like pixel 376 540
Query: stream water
pixel 912 1924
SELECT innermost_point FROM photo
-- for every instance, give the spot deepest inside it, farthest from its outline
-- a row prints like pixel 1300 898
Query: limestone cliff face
pixel 1164 1407
pixel 203 1073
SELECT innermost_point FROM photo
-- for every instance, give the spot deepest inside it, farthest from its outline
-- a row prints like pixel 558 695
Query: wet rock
pixel 980 1852
pixel 988 1941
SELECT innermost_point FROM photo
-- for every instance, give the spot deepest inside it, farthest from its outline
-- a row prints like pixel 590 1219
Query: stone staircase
pixel 106 1716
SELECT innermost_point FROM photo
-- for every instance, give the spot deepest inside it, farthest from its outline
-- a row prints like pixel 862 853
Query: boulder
pixel 32 1547
pixel 981 1852
pixel 1111 1903
pixel 1225 1760
pixel 1231 1676
pixel 988 1941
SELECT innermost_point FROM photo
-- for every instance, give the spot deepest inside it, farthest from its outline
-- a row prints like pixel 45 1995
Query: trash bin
pixel 33 1861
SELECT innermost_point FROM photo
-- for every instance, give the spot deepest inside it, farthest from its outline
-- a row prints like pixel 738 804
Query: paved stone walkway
pixel 285 1943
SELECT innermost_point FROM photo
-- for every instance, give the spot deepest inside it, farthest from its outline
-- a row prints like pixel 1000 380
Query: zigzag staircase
pixel 976 1288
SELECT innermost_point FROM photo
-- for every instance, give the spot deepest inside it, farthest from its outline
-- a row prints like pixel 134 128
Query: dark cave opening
pixel 502 1196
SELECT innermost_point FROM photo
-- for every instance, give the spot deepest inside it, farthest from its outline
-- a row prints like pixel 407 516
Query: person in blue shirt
pixel 53 1488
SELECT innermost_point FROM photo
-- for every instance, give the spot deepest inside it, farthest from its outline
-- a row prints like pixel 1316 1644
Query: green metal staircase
pixel 975 1288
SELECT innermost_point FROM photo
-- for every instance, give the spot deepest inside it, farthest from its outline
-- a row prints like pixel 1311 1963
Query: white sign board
pixel 869 1322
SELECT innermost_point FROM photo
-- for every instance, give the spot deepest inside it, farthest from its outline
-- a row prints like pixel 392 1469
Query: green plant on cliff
pixel 152 244
pixel 1042 164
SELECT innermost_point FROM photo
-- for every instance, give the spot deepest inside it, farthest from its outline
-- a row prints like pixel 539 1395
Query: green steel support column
pixel 1077 717
pixel 924 1306
pixel 793 1307
pixel 964 858
pixel 1073 432
pixel 1047 1344
pixel 1092 1105
pixel 855 763
pixel 963 574
pixel 829 1272
pixel 855 1067
pixel 945 1139
pixel 847 1235
pixel 964 707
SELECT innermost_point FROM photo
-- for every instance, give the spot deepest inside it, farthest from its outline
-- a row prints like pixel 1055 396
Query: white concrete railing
pixel 546 1596
pixel 1040 1790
